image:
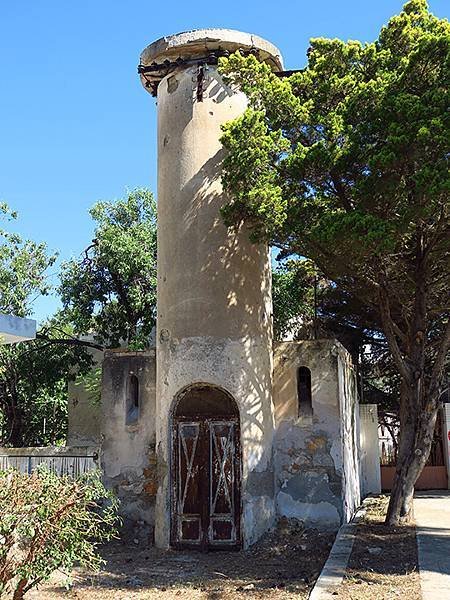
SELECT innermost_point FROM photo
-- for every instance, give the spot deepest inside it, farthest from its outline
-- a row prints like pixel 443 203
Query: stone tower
pixel 214 412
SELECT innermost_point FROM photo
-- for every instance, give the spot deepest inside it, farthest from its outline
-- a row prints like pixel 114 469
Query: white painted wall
pixel 446 434
pixel 370 473
pixel 349 418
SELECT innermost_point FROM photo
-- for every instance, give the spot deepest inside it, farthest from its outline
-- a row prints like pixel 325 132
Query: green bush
pixel 48 523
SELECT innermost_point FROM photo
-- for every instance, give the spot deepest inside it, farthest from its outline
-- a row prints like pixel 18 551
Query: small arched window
pixel 304 395
pixel 132 403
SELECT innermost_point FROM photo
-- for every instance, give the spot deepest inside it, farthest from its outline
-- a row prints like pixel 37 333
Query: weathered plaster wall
pixel 83 428
pixel 226 365
pixel 311 455
pixel 128 451
pixel 370 473
pixel 214 297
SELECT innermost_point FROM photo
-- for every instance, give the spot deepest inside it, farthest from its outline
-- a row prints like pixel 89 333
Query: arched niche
pixel 132 404
pixel 205 400
pixel 304 392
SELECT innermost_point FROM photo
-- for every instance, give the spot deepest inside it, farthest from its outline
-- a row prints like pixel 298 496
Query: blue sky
pixel 75 124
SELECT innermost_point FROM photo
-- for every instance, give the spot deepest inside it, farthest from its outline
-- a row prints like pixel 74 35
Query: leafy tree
pixel 33 386
pixel 111 291
pixel 293 293
pixel 346 163
pixel 34 374
pixel 49 523
pixel 23 269
pixel 308 306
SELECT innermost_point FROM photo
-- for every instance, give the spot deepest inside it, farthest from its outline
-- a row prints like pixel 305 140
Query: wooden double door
pixel 206 507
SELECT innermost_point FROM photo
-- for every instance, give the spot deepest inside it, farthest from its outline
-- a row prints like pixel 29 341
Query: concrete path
pixel 432 515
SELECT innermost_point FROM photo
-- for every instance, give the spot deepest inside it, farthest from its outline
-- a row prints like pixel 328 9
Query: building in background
pixel 16 329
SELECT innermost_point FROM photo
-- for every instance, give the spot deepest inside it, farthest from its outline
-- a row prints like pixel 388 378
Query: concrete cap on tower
pixel 200 43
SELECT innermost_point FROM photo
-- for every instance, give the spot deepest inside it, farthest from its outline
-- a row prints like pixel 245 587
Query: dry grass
pixel 383 564
pixel 283 566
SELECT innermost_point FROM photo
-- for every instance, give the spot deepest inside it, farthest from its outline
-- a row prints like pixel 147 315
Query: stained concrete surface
pixel 214 323
pixel 432 515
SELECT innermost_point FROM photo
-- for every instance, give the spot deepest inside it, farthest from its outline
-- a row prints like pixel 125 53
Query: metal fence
pixel 65 464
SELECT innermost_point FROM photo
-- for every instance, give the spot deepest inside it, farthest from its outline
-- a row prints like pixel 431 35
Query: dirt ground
pixel 282 566
pixel 383 564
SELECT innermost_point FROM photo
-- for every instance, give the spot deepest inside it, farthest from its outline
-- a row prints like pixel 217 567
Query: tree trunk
pixel 14 425
pixel 19 592
pixel 416 436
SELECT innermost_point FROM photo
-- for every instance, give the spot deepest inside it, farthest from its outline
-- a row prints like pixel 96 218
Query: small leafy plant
pixel 50 523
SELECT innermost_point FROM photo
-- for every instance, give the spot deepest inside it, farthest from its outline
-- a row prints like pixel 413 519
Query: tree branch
pixel 340 192
pixel 68 342
pixel 438 367
pixel 388 327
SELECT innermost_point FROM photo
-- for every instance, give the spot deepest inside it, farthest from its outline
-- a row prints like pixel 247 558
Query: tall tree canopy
pixel 33 386
pixel 307 305
pixel 111 291
pixel 34 374
pixel 23 268
pixel 346 163
pixel 294 291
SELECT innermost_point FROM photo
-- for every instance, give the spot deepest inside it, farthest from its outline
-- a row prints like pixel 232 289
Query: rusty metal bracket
pixel 200 78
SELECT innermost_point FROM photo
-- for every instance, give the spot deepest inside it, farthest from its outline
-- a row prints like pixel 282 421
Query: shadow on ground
pixel 284 564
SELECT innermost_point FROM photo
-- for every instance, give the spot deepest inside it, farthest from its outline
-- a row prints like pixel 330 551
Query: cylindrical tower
pixel 214 323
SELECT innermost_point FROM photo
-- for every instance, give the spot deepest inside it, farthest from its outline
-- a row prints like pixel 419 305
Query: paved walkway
pixel 432 515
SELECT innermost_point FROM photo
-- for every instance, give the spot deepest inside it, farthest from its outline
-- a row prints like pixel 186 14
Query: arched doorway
pixel 206 469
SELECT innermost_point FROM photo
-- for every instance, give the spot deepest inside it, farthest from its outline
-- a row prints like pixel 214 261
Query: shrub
pixel 48 523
